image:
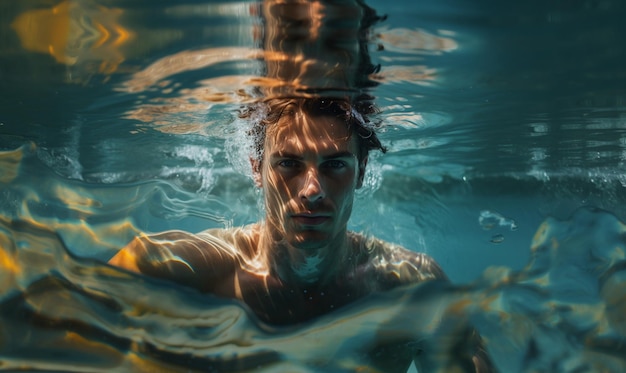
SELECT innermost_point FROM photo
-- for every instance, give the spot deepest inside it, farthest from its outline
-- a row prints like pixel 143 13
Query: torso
pixel 379 266
pixel 225 263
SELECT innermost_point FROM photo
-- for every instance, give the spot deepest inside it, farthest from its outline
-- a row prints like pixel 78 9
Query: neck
pixel 305 267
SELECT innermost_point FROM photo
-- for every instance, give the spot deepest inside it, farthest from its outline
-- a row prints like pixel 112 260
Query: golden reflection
pixel 155 73
pixel 26 193
pixel 77 230
pixel 414 74
pixel 76 342
pixel 76 32
pixel 9 266
pixel 136 361
pixel 186 114
pixel 10 162
pixel 76 201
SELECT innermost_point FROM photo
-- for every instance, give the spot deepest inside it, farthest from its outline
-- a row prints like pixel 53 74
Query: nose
pixel 312 188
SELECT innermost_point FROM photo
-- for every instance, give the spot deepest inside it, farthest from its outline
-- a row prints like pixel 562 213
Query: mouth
pixel 311 219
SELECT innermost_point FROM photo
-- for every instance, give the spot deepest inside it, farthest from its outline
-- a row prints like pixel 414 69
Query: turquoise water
pixel 506 128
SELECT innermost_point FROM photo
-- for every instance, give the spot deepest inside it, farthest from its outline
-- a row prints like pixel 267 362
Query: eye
pixel 288 163
pixel 335 164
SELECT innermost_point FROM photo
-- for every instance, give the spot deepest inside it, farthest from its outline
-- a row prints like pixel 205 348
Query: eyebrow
pixel 339 155
pixel 344 154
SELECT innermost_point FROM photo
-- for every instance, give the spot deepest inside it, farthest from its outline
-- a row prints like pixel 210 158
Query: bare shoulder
pixel 191 259
pixel 243 240
pixel 396 265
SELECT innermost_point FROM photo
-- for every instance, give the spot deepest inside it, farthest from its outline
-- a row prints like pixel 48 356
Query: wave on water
pixel 564 312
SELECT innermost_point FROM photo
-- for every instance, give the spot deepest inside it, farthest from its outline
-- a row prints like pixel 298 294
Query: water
pixel 506 128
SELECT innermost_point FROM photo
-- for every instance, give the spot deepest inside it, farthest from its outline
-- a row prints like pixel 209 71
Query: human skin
pixel 309 173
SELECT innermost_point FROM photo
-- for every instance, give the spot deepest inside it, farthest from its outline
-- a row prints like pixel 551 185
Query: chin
pixel 310 241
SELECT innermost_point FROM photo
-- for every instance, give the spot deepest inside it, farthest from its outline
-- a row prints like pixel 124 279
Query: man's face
pixel 309 174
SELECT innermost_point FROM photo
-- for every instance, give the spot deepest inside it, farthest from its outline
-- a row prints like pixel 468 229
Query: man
pixel 301 261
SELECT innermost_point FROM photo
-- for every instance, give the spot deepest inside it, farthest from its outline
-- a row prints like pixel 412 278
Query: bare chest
pixel 276 303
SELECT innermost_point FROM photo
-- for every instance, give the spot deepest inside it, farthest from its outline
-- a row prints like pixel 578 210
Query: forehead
pixel 297 132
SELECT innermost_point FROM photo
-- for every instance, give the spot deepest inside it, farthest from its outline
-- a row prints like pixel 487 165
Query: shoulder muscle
pixel 193 260
pixel 400 266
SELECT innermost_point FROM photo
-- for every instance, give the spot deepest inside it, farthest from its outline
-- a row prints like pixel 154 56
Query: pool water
pixel 506 129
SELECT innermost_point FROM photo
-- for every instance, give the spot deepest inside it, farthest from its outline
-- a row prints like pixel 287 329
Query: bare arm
pixel 198 261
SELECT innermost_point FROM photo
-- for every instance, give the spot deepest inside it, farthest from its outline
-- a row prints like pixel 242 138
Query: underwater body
pixel 506 129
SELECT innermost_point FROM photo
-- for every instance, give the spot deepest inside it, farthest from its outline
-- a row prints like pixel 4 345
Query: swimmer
pixel 301 261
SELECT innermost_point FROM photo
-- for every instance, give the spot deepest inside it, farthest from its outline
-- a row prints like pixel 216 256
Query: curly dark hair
pixel 356 116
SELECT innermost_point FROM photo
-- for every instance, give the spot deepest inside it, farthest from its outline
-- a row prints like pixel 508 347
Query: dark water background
pixel 500 117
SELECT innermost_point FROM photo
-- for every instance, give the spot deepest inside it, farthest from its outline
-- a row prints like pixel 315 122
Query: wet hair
pixel 352 105
pixel 356 116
